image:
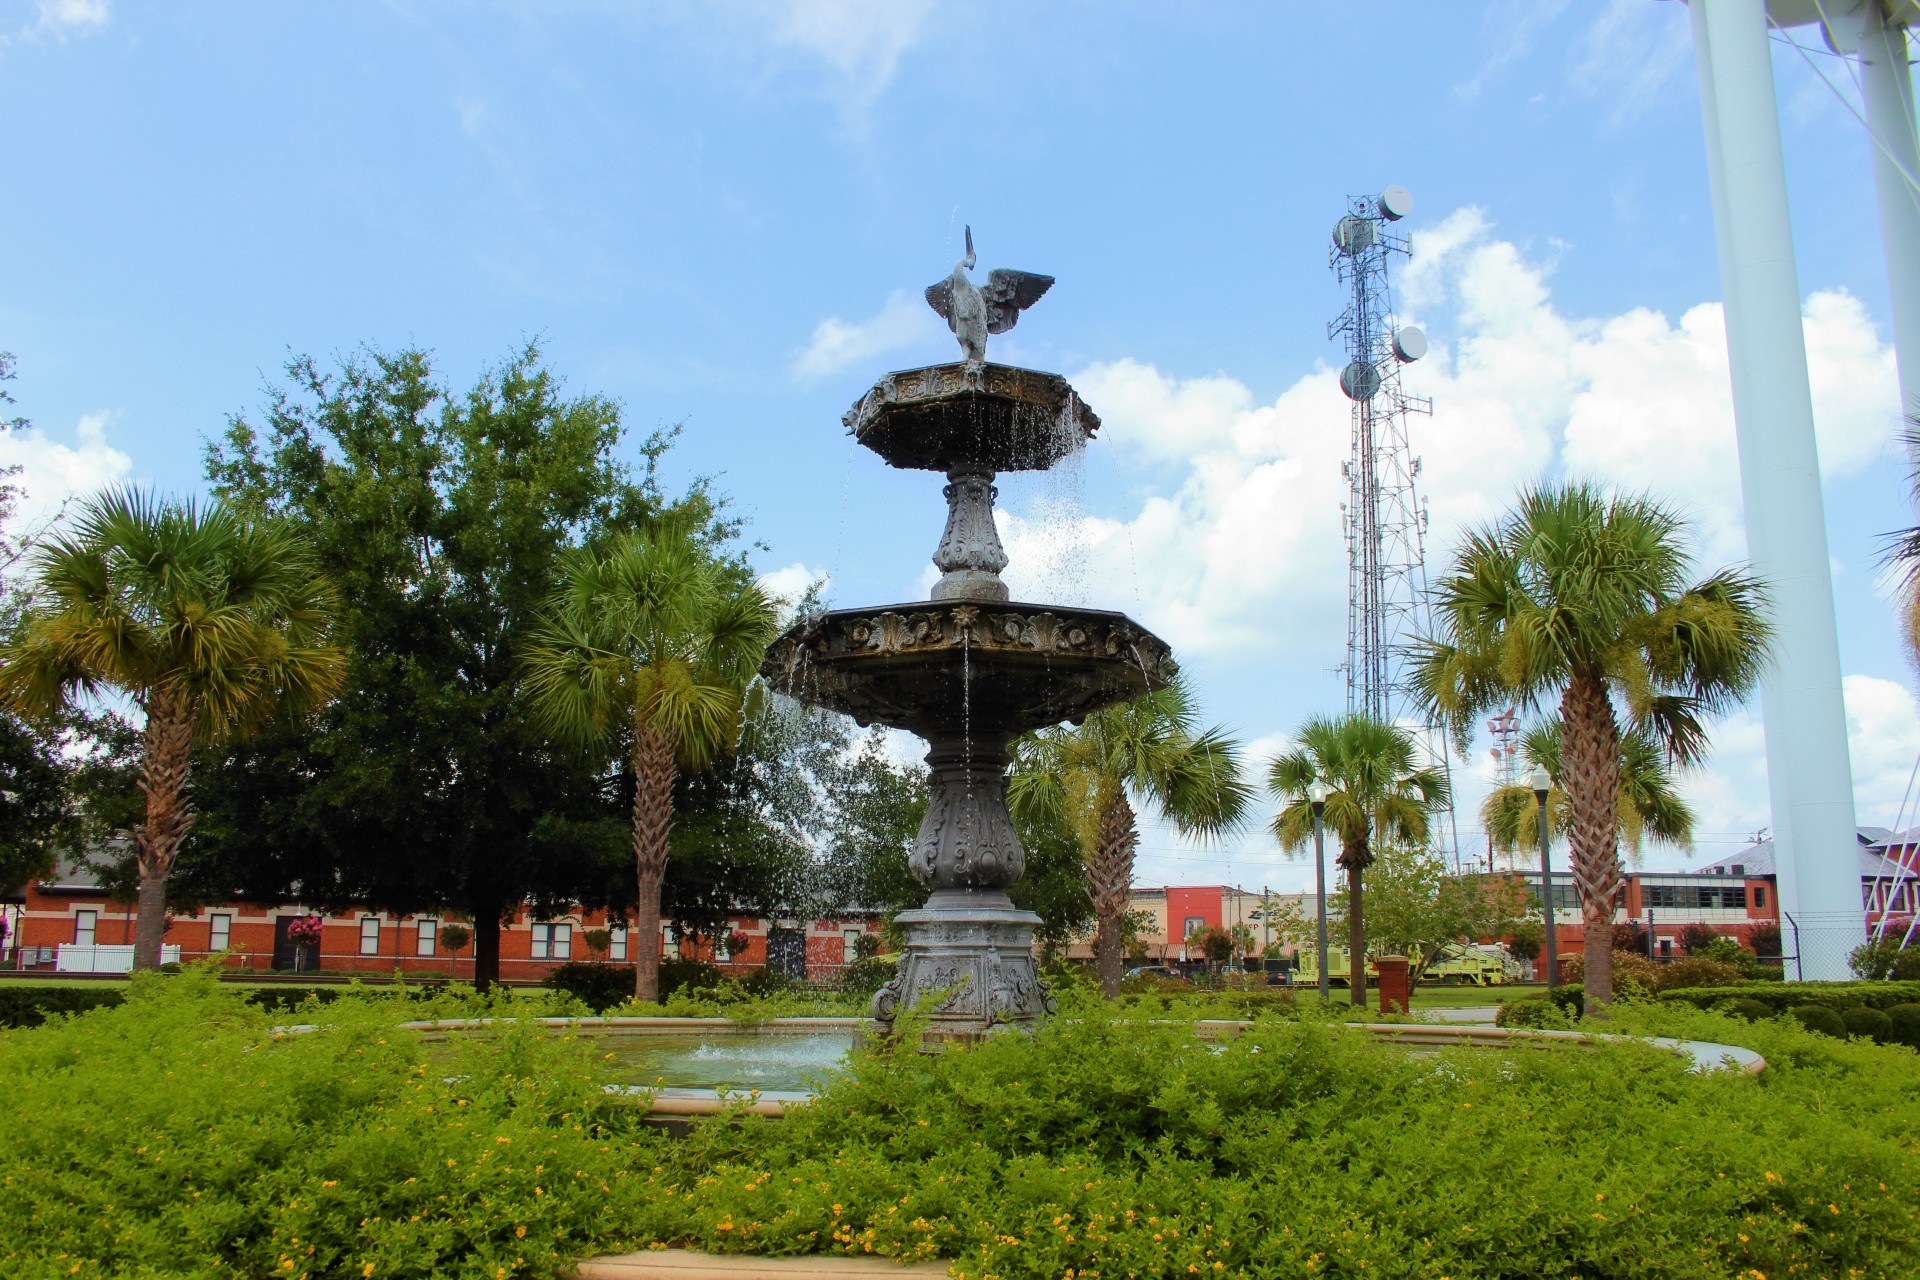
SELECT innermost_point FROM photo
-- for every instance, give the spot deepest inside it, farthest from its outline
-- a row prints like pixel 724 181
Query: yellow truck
pixel 1459 964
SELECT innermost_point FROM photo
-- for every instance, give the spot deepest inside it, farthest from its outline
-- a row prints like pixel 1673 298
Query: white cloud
pixel 61 17
pixel 789 585
pixel 1230 543
pixel 861 39
pixel 840 344
pixel 52 471
pixel 1236 540
pixel 1630 54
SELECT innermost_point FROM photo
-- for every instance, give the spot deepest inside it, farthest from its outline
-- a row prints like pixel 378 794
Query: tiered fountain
pixel 969 670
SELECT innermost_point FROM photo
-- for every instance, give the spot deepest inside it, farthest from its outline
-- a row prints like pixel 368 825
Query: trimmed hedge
pixel 1871 1023
pixel 1782 996
pixel 1821 1018
pixel 1905 1022
pixel 29 1006
pixel 24 1005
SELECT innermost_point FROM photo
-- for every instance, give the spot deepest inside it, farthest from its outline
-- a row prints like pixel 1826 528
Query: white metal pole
pixel 1809 778
pixel 1886 83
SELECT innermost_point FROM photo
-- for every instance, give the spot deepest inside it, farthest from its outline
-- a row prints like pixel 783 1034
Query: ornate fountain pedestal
pixel 968 670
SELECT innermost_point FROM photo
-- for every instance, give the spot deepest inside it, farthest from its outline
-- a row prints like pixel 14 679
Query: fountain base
pixel 972 950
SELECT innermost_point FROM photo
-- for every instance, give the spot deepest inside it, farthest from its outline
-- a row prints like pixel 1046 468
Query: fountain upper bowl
pixel 980 417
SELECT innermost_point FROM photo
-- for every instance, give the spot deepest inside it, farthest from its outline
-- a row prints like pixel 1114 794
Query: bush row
pixel 24 1005
pixel 1782 996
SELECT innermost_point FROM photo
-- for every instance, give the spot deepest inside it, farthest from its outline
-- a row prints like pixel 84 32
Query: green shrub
pixel 1633 973
pixel 28 1004
pixel 287 999
pixel 1904 1024
pixel 766 981
pixel 1533 1011
pixel 1821 1018
pixel 1783 996
pixel 1751 1010
pixel 598 986
pixel 683 975
pixel 1700 971
pixel 1570 998
pixel 1885 958
pixel 1871 1023
pixel 175 1135
pixel 866 975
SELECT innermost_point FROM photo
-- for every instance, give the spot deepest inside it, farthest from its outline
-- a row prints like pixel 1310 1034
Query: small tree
pixel 1697 937
pixel 1417 907
pixel 599 942
pixel 1215 943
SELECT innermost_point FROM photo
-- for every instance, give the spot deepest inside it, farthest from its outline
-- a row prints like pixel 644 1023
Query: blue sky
pixel 722 215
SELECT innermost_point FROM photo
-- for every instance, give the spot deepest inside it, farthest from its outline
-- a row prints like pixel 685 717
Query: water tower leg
pixel 1886 82
pixel 1809 778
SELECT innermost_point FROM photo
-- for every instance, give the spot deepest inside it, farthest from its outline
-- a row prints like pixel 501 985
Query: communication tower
pixel 1384 515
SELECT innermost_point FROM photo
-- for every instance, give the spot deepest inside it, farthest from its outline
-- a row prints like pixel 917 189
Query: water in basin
pixel 734 1060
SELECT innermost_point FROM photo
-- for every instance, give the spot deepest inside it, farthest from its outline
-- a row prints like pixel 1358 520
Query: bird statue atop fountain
pixel 973 313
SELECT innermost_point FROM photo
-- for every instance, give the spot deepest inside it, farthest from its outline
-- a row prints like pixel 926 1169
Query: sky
pixel 722 215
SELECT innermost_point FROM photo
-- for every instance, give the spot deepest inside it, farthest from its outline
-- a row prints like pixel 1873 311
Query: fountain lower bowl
pixel 951 666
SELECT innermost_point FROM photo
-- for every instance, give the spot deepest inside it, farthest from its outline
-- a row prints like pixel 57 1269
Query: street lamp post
pixel 1317 797
pixel 1542 783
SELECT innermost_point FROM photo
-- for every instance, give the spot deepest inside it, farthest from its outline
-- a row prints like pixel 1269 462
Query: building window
pixel 617 949
pixel 552 941
pixel 850 945
pixel 83 927
pixel 219 932
pixel 369 935
pixel 1694 897
pixel 1759 895
pixel 1193 925
pixel 669 942
pixel 1566 897
pixel 426 932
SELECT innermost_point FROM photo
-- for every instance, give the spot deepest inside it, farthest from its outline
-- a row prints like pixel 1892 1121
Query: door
pixel 787 952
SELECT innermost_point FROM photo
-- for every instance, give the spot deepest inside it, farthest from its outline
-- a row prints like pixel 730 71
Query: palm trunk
pixel 1356 939
pixel 1354 859
pixel 156 842
pixel 1110 882
pixel 1590 764
pixel 653 774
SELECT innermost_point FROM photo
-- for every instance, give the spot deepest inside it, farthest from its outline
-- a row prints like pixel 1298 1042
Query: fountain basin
pixel 993 417
pixel 953 666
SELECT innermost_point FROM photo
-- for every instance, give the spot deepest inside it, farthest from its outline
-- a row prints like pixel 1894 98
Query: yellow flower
pixel 366 1270
pixel 520 1231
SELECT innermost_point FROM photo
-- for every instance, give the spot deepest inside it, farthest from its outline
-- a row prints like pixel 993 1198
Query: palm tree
pixel 1375 785
pixel 1149 752
pixel 1903 551
pixel 1650 803
pixel 209 623
pixel 657 638
pixel 1582 598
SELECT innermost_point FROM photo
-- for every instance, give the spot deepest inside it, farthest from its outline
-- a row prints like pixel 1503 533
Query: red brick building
pixel 66 923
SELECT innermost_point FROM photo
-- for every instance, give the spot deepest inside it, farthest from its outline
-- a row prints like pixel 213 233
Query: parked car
pixel 1152 971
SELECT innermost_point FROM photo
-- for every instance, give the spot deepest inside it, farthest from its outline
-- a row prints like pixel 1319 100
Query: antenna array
pixel 1384 516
